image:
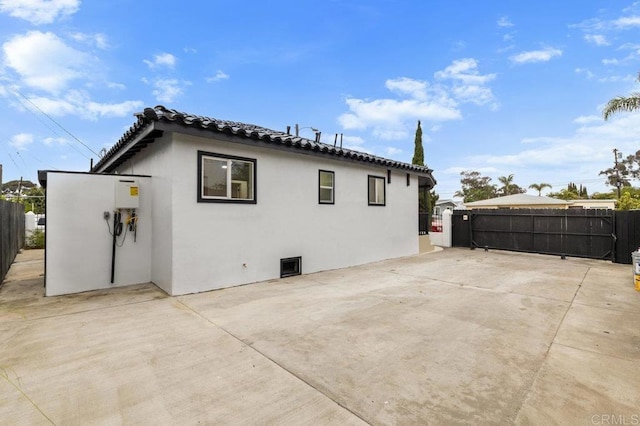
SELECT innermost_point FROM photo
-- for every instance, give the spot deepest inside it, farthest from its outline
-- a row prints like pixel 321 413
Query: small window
pixel 290 266
pixel 224 178
pixel 326 191
pixel 376 191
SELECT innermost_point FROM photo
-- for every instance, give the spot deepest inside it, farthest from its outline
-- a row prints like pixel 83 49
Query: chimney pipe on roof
pixel 288 130
pixel 335 140
pixel 340 140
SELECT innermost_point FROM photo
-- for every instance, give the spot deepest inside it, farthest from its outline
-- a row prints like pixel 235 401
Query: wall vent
pixel 290 266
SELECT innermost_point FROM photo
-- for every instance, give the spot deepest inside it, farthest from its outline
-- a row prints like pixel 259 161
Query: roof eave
pixel 105 167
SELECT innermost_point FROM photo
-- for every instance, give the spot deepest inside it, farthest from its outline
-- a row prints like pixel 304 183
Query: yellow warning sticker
pixel 133 191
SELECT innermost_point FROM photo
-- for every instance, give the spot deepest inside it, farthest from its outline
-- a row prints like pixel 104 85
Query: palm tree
pixel 539 187
pixel 507 184
pixel 621 103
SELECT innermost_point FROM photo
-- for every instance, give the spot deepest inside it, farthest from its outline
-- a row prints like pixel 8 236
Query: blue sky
pixel 501 87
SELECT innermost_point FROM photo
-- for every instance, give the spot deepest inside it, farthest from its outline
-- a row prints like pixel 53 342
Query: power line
pixel 22 159
pixel 14 162
pixel 44 123
pixel 57 124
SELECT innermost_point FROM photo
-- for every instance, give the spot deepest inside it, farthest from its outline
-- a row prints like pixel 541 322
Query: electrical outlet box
pixel 127 194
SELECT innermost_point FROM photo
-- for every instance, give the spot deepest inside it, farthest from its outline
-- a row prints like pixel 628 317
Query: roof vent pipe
pixel 288 130
pixel 340 140
pixel 335 140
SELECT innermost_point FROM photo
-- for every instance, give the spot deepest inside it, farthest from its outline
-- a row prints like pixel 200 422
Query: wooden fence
pixel 11 234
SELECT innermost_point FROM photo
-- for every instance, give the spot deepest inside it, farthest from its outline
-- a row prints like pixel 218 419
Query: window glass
pixel 326 187
pixel 224 178
pixel 376 191
pixel 214 176
pixel 241 179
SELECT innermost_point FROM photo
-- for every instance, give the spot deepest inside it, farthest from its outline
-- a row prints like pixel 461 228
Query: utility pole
pixel 615 160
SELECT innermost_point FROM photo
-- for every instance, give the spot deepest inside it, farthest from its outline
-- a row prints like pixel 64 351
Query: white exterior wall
pixel 157 161
pixel 78 243
pixel 216 245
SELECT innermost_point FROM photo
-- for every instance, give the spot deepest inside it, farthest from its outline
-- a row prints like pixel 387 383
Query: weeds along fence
pixel 11 234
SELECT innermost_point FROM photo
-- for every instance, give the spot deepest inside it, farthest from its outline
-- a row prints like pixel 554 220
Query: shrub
pixel 36 239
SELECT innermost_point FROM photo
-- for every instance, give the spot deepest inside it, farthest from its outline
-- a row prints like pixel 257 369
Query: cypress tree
pixel 418 152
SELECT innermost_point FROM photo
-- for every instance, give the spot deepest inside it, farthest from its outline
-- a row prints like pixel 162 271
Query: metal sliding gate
pixel 580 233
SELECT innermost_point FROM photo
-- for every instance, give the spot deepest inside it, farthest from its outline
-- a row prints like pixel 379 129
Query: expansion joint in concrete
pixel 262 354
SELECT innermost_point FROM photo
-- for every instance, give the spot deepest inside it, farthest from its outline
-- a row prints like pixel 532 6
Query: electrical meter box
pixel 127 194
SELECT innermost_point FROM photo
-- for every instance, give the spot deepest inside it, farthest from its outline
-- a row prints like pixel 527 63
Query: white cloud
pixel 610 61
pixel 44 61
pixel 55 141
pixel 386 116
pixel 21 141
pixel 98 40
pixel 586 72
pixel 220 75
pixel 160 60
pixel 597 39
pixel 478 95
pixel 352 140
pixel 542 55
pixel 407 86
pixel 586 119
pixel 469 84
pixel 466 71
pixel 627 22
pixel 504 22
pixel 119 86
pixel 391 151
pixel 79 104
pixel 39 11
pixel 392 119
pixel 167 90
pixel 590 145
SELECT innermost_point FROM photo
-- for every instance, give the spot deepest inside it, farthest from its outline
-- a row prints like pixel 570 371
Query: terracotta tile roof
pixel 123 149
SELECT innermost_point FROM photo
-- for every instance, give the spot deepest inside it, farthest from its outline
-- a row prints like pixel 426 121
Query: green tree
pixel 508 187
pixel 475 187
pixel 33 200
pixel 628 201
pixel 418 151
pixel 433 198
pixel 539 187
pixel 13 186
pixel 622 103
pixel 570 193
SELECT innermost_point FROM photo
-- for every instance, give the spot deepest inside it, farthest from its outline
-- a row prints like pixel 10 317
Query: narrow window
pixel 226 179
pixel 408 179
pixel 326 188
pixel 388 176
pixel 376 191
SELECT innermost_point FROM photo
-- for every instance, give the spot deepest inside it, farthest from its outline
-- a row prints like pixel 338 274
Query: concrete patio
pixel 451 337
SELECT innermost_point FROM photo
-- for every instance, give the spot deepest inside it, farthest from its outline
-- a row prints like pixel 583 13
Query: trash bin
pixel 635 257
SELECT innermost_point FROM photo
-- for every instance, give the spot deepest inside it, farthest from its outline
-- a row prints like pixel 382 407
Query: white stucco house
pixel 220 203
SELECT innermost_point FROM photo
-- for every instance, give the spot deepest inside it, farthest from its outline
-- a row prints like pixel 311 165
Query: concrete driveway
pixel 453 337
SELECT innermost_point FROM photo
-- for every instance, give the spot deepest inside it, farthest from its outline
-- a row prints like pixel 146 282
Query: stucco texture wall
pixel 216 245
pixel 78 243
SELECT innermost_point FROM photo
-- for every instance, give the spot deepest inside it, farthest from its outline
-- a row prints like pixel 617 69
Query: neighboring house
pixel 442 205
pixel 526 201
pixel 225 203
pixel 519 201
pixel 593 204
